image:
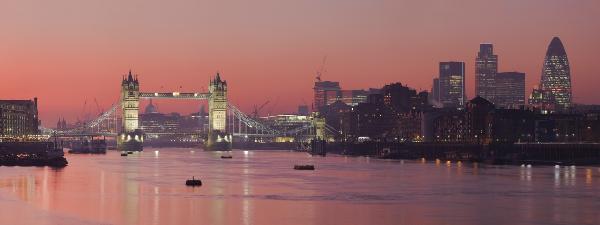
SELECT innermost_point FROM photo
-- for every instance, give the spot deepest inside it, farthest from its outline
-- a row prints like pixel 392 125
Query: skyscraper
pixel 509 90
pixel 325 91
pixel 434 98
pixel 452 84
pixel 486 68
pixel 556 75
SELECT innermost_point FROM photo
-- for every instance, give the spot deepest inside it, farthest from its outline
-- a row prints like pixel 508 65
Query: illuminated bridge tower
pixel 131 137
pixel 218 138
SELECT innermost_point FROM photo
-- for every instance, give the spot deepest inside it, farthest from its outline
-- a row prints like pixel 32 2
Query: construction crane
pixel 273 105
pixel 100 110
pixel 84 114
pixel 258 108
pixel 321 70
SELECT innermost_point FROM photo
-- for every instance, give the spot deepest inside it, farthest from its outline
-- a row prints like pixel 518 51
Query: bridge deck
pixel 178 95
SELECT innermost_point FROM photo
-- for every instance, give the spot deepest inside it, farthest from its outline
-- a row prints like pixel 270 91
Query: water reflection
pixel 261 188
pixel 525 173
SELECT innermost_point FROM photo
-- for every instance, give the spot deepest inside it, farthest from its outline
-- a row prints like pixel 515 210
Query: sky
pixel 69 52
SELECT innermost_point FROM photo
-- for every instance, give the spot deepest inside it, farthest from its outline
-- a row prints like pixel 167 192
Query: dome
pixel 150 108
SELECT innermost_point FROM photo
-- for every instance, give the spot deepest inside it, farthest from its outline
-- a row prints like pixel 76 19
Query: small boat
pixel 123 154
pixel 304 167
pixel 193 182
pixel 130 152
pixel 226 157
pixel 86 146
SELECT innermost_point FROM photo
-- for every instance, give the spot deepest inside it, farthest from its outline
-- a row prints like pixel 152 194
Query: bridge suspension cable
pixel 243 118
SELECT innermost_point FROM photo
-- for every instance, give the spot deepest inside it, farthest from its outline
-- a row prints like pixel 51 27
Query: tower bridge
pixel 225 121
pixel 131 138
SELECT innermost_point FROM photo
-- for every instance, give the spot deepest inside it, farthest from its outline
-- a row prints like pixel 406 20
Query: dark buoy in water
pixel 193 182
pixel 226 157
pixel 124 154
pixel 304 167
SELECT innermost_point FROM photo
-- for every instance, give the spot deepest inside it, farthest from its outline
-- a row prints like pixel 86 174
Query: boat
pixel 304 167
pixel 93 146
pixel 124 154
pixel 193 182
pixel 226 157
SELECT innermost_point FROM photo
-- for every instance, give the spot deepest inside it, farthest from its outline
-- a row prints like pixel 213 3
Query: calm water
pixel 260 187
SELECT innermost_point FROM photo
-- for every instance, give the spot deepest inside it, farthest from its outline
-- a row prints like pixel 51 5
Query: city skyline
pixel 71 55
pixel 299 112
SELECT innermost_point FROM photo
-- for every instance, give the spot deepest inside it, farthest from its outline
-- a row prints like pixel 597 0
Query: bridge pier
pixel 218 138
pixel 131 137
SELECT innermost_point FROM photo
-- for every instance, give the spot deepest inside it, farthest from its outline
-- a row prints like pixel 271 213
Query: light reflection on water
pixel 260 187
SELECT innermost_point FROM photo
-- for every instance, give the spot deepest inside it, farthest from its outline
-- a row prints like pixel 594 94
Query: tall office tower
pixel 486 68
pixel 556 75
pixel 452 84
pixel 434 98
pixel 510 90
pixel 325 92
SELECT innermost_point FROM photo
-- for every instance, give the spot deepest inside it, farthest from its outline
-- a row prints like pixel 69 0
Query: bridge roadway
pixel 171 95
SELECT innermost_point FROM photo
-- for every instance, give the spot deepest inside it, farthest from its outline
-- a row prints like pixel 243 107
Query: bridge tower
pixel 131 137
pixel 218 138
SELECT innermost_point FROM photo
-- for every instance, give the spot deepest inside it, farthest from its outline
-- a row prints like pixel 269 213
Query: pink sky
pixel 67 51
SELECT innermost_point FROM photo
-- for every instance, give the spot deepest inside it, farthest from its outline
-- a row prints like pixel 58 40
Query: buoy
pixel 304 167
pixel 193 182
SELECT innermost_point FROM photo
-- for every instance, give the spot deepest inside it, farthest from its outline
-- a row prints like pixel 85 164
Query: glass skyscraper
pixel 509 90
pixel 486 68
pixel 556 75
pixel 452 84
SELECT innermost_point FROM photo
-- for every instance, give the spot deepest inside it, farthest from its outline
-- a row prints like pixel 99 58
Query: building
pixel 352 97
pixel 18 118
pixel 486 68
pixel 288 122
pixel 371 120
pixel 402 98
pixel 329 92
pixel 392 113
pixel 541 100
pixel 452 84
pixel 479 123
pixel 482 123
pixel 325 92
pixel 556 75
pixel 434 97
pixel 509 90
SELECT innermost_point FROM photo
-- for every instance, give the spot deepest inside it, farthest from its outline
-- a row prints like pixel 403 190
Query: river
pixel 260 187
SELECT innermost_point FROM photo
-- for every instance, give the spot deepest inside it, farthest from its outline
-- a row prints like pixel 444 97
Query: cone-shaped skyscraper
pixel 556 74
